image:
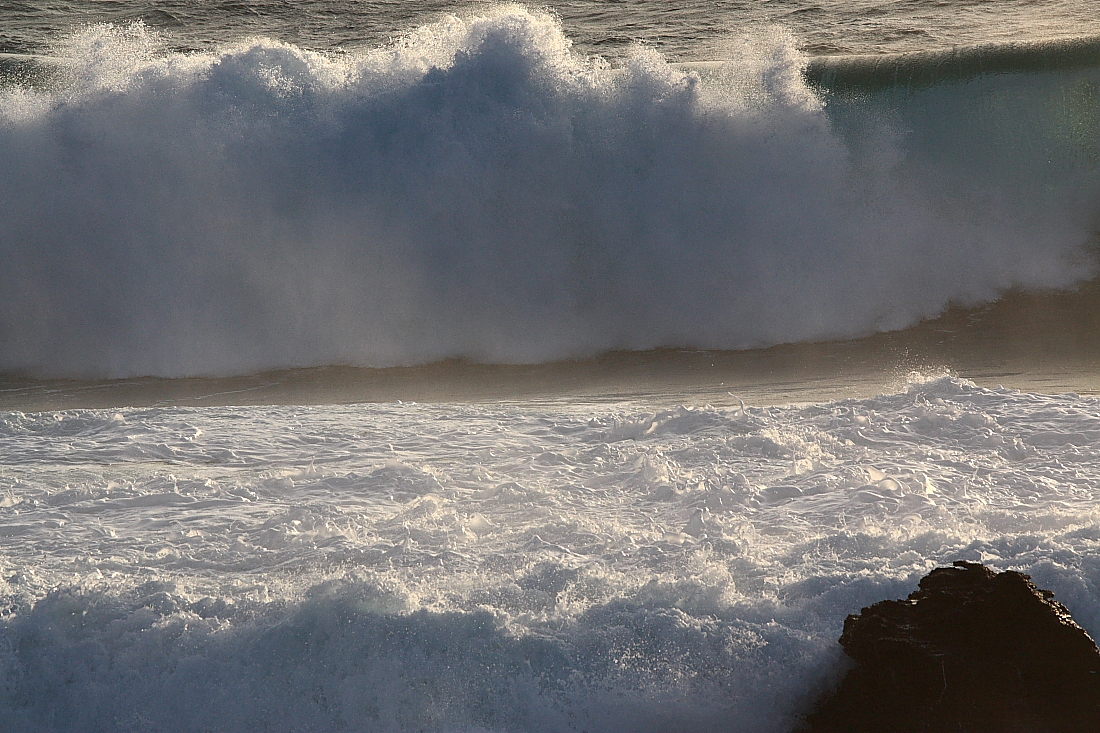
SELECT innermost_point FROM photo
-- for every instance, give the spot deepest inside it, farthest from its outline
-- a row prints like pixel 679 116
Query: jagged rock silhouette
pixel 972 651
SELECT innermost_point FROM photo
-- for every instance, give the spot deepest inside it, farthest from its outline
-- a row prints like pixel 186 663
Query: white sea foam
pixel 516 567
pixel 478 190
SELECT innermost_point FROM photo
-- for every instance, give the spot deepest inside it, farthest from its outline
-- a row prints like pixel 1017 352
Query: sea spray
pixel 478 190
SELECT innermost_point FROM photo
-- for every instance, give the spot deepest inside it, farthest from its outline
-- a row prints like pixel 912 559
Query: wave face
pixel 925 68
pixel 477 190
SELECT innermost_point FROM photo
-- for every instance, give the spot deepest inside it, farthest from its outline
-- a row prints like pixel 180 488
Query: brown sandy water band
pixel 1038 342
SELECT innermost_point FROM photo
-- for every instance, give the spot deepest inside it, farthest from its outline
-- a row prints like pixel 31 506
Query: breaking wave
pixel 478 190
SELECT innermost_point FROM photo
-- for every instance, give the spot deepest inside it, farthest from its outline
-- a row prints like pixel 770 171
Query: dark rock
pixel 972 651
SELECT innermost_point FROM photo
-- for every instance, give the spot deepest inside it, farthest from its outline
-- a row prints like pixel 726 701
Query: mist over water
pixel 479 190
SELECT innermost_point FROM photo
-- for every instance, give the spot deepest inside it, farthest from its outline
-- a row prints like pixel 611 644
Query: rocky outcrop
pixel 972 651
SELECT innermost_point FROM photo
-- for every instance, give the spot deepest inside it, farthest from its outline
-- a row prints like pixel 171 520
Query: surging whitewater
pixel 478 190
pixel 512 567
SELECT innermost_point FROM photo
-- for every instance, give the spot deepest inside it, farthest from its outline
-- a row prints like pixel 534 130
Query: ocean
pixel 461 367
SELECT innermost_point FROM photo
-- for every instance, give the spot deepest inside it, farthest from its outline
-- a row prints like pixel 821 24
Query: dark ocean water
pixel 684 31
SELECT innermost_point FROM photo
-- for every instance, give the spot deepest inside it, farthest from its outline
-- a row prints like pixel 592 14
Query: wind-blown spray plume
pixel 477 190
